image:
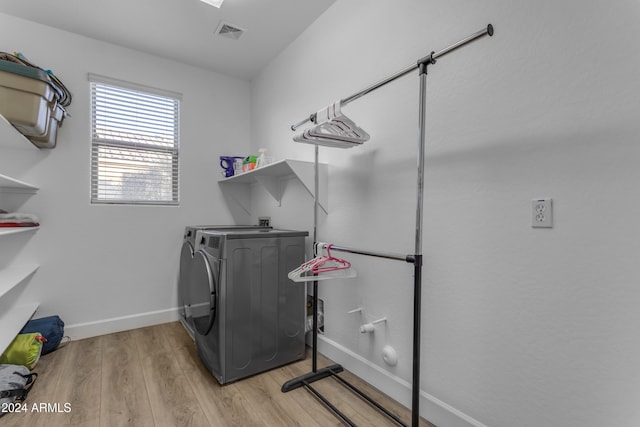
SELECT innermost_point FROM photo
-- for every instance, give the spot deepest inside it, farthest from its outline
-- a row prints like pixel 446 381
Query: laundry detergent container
pixel 27 98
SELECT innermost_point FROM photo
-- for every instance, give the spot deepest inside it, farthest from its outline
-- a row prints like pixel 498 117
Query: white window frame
pixel 114 150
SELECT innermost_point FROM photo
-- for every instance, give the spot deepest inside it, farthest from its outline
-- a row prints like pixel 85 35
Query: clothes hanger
pixel 322 267
pixel 333 129
pixel 330 263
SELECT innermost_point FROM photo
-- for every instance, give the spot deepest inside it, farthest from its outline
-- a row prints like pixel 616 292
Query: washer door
pixel 202 292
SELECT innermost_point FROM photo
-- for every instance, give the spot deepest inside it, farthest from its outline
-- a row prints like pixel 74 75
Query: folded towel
pixel 17 218
pixel 18 224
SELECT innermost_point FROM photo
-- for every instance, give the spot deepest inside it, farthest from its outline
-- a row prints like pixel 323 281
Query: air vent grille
pixel 230 31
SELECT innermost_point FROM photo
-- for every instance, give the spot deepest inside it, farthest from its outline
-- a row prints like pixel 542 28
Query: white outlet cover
pixel 542 213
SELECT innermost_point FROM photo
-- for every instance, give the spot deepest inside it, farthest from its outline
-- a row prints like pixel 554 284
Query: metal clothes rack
pixel 415 259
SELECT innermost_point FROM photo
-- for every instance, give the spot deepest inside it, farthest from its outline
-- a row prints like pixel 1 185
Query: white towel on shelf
pixel 333 129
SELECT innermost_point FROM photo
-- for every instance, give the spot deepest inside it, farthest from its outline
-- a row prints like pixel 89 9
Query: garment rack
pixel 415 259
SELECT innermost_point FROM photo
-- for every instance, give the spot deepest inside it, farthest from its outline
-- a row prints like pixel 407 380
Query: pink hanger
pixel 322 267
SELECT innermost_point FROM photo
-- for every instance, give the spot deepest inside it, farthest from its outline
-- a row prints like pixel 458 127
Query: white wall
pixel 521 326
pixel 106 268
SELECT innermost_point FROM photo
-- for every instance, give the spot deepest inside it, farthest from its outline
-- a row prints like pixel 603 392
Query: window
pixel 135 140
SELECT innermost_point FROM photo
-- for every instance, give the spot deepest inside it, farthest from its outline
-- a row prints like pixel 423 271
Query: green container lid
pixel 24 70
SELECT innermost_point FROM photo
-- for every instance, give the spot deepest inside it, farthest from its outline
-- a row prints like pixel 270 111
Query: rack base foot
pixel 302 380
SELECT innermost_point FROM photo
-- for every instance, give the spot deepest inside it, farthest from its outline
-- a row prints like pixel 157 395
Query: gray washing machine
pixel 248 317
pixel 186 257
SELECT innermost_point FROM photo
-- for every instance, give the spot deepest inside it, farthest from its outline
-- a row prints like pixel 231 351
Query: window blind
pixel 135 138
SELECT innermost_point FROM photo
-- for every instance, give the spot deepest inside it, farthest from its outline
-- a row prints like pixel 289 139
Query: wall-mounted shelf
pixel 273 179
pixel 11 138
pixel 11 277
pixel 12 185
pixel 5 231
pixel 13 320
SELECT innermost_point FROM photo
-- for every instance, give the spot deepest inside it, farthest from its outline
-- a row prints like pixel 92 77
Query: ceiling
pixel 182 30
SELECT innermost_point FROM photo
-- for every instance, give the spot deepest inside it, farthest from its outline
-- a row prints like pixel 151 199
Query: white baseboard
pixel 119 324
pixel 431 408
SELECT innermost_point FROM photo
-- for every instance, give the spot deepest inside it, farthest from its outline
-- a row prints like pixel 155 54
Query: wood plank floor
pixel 153 377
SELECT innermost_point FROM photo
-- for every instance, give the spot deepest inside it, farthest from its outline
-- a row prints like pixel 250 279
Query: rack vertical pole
pixel 316 168
pixel 417 279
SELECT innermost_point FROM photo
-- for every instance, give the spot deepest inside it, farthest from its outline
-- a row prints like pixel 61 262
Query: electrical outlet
pixel 542 213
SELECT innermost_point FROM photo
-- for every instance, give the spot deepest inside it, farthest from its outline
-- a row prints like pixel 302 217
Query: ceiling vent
pixel 229 31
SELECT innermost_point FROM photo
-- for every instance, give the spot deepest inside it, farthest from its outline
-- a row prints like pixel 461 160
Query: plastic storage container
pixel 27 98
pixel 48 140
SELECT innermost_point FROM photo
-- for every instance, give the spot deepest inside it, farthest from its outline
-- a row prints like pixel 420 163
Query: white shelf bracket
pixel 273 185
pixel 305 173
pixel 238 192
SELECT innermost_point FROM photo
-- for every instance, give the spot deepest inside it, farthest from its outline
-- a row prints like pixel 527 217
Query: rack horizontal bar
pixel 488 30
pixel 387 255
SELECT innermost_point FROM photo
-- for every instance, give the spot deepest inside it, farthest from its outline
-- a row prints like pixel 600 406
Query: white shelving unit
pixel 273 179
pixel 11 138
pixel 13 320
pixel 15 312
pixel 17 230
pixel 12 185
pixel 13 276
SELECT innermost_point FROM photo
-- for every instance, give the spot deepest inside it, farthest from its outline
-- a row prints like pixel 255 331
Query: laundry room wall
pixel 520 326
pixel 103 267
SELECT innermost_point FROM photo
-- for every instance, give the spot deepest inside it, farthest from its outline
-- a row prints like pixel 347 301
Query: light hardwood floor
pixel 153 377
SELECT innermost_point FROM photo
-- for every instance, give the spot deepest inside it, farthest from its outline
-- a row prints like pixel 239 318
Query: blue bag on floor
pixel 51 327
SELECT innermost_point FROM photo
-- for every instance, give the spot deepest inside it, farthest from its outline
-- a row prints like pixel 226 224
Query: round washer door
pixel 202 292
